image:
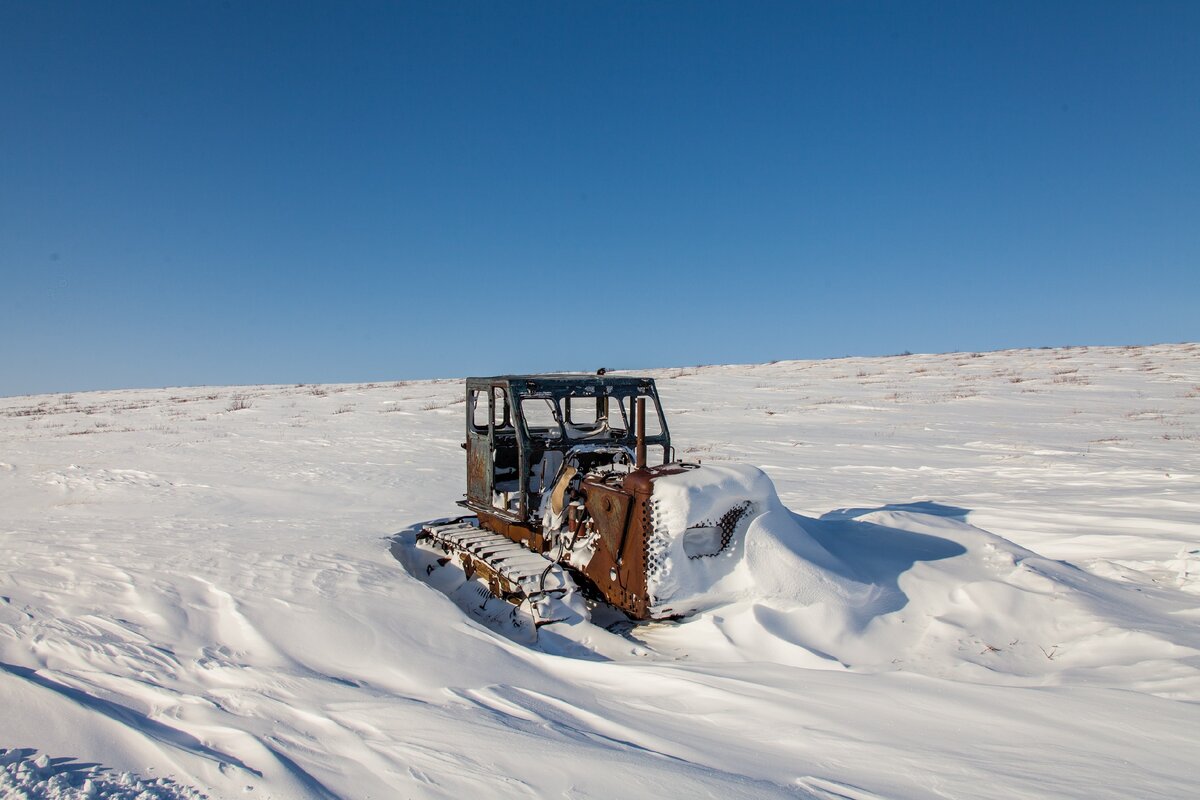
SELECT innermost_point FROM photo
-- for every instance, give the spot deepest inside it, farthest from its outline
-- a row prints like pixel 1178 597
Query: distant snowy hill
pixel 198 595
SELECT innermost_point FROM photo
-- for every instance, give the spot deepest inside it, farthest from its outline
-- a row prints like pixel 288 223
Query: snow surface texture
pixel 982 581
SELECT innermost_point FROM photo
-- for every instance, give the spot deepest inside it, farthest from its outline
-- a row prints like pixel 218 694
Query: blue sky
pixel 205 193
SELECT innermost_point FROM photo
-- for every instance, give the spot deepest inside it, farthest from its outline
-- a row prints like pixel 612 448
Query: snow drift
pixel 912 588
pixel 1002 603
pixel 770 555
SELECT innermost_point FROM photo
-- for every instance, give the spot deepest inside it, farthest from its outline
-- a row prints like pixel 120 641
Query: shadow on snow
pixel 879 554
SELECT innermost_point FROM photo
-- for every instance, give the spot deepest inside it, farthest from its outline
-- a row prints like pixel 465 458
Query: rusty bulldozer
pixel 564 503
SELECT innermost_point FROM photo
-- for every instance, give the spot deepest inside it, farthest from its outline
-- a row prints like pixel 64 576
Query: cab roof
pixel 562 381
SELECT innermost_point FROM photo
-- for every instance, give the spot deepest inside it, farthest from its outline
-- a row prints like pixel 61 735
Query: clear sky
pixel 226 193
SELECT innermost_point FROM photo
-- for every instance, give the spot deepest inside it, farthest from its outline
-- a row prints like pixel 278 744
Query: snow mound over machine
pixel 566 506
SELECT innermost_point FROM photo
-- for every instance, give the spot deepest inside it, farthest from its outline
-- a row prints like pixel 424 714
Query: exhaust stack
pixel 641 433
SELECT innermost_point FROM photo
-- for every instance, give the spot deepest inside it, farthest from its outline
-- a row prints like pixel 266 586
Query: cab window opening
pixel 501 418
pixel 479 410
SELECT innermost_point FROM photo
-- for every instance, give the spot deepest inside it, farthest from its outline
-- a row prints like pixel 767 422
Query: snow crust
pixel 25 775
pixel 974 576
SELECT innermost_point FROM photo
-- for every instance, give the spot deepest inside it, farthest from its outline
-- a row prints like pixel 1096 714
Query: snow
pixel 981 579
pixel 24 775
pixel 769 555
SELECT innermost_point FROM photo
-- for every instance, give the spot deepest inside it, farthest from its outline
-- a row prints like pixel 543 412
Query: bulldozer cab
pixel 522 428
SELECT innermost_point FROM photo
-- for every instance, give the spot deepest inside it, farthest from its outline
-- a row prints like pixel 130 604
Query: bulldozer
pixel 563 501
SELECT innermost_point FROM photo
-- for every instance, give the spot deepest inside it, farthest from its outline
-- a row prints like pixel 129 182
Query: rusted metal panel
pixel 640 485
pixel 518 532
pixel 479 470
pixel 609 510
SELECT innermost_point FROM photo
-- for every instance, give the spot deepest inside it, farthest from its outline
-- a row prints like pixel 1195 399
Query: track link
pixel 512 572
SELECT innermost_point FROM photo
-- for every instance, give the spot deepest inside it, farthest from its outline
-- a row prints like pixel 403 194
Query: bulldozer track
pixel 512 572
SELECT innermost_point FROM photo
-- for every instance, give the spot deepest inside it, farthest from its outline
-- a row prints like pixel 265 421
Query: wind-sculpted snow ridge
pixel 975 576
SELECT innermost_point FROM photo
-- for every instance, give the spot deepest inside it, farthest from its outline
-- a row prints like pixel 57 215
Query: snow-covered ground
pixel 197 600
